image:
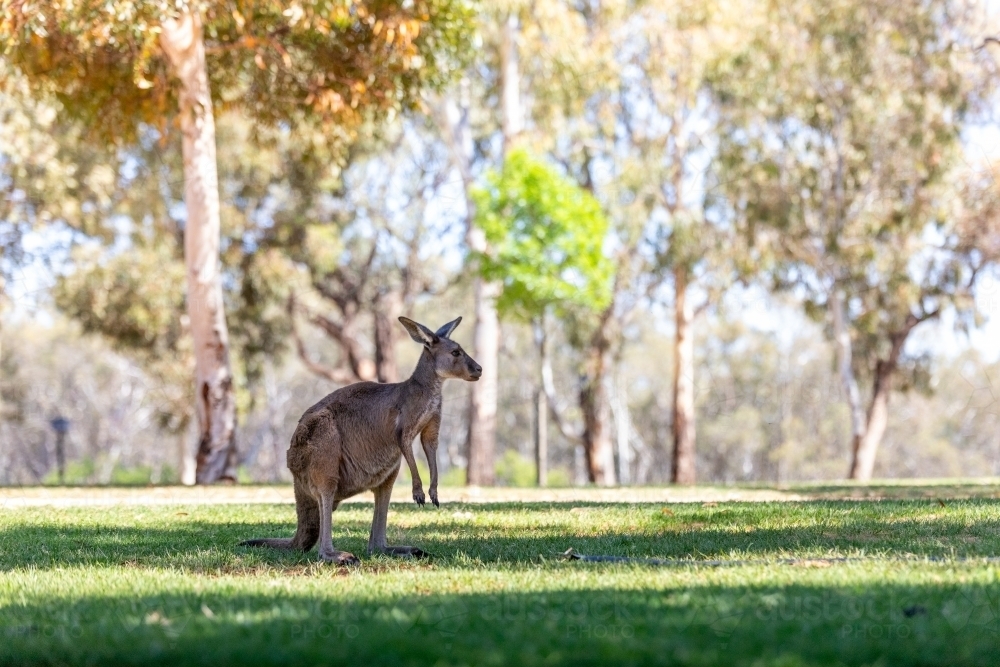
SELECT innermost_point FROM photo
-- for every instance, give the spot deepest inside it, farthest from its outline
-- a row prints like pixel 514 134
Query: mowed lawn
pixel 107 579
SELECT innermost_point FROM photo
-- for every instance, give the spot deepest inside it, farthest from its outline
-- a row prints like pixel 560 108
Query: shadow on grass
pixel 943 624
pixel 521 533
pixel 890 491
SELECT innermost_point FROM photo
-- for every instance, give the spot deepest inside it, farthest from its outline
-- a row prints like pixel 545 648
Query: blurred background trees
pixel 117 66
pixel 777 222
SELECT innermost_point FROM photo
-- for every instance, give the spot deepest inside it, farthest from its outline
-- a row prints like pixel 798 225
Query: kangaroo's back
pixel 364 411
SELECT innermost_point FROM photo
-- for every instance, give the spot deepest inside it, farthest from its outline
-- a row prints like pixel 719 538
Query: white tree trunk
pixel 453 120
pixel 512 120
pixel 623 427
pixel 486 346
pixel 541 439
pixel 542 405
pixel 842 343
pixel 863 459
pixel 683 400
pixel 182 41
pixel 483 408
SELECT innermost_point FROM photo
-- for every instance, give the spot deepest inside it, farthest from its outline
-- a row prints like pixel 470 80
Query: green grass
pixel 167 584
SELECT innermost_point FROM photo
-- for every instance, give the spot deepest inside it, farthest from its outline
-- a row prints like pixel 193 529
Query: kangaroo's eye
pixel 456 353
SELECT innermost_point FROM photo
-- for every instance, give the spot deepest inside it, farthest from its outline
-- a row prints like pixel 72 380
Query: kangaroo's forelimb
pixel 429 441
pixel 407 449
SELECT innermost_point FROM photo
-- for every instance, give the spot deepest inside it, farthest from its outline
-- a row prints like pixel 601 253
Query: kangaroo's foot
pixel 331 555
pixel 401 552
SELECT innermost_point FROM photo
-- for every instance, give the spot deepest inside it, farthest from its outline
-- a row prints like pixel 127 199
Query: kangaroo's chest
pixel 428 413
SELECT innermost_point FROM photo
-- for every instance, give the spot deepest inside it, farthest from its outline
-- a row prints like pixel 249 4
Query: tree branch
pixel 549 389
pixel 336 375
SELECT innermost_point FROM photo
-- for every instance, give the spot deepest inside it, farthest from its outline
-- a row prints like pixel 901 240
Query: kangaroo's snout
pixel 475 371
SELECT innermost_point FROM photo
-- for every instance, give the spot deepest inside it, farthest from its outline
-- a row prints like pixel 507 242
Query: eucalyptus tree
pixel 122 63
pixel 372 253
pixel 494 80
pixel 569 76
pixel 663 156
pixel 839 157
pixel 628 116
pixel 546 236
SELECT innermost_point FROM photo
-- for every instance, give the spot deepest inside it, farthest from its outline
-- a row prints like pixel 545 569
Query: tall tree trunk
pixel 483 409
pixel 512 120
pixel 388 308
pixel 183 43
pixel 683 405
pixel 486 335
pixel 544 395
pixel 186 464
pixel 597 446
pixel 865 447
pixel 842 344
pixel 541 439
pixel 622 426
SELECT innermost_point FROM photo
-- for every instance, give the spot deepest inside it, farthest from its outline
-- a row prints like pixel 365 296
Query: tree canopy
pixel 547 238
pixel 340 61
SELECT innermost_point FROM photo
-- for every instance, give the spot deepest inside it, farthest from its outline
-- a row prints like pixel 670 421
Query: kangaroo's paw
pixel 434 498
pixel 339 557
pixel 405 552
pixel 418 497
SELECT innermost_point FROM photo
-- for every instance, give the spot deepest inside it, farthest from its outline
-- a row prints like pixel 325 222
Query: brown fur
pixel 352 441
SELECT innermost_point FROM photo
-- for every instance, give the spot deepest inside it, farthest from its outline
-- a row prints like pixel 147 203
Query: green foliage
pixel 47 173
pixel 136 476
pixel 515 470
pixel 84 471
pixel 512 469
pixel 259 325
pixel 77 472
pixel 455 476
pixel 547 238
pixel 115 296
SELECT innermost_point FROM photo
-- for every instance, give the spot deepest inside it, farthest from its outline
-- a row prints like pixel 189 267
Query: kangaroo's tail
pixel 273 542
pixel 306 531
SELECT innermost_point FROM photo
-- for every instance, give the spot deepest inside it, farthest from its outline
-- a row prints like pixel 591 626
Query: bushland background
pixel 714 241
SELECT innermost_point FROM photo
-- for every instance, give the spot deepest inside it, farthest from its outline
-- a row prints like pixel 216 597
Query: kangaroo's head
pixel 450 360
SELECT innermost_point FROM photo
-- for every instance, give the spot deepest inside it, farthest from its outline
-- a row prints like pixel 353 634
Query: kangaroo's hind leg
pixel 307 509
pixel 306 531
pixel 376 540
pixel 326 549
pixel 306 506
pixel 323 475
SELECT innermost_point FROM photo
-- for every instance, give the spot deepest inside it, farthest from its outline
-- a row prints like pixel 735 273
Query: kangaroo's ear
pixel 445 330
pixel 419 332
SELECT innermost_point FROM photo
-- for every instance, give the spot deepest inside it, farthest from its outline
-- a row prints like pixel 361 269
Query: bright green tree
pixel 546 236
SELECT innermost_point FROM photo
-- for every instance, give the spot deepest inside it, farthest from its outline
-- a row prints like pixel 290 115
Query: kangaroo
pixel 351 441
